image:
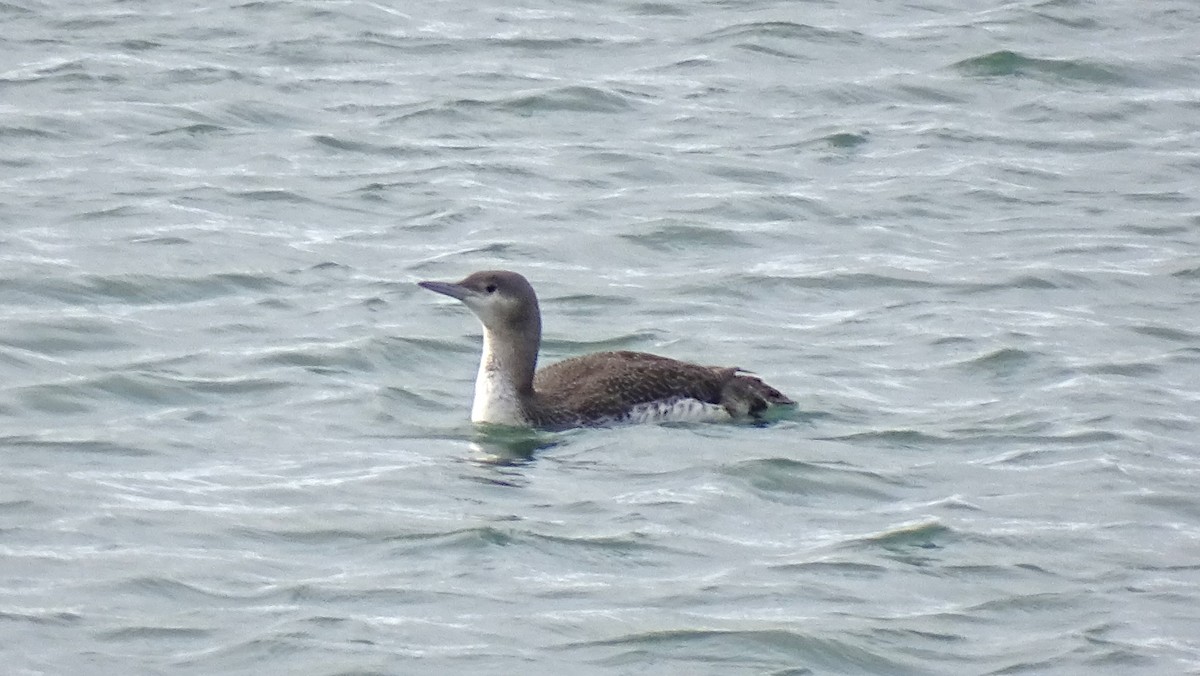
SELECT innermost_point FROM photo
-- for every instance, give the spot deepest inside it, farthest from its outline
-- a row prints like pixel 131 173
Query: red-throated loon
pixel 596 389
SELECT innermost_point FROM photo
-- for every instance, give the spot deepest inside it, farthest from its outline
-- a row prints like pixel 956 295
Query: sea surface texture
pixel 963 236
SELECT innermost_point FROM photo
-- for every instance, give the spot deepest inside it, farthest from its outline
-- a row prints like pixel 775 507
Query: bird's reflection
pixel 504 445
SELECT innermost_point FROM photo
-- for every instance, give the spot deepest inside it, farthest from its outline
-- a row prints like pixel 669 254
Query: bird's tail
pixel 747 395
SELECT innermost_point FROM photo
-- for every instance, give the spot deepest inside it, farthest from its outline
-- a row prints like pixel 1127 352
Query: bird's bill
pixel 456 291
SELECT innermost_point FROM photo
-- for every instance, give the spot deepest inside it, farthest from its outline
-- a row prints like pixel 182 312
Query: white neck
pixel 496 399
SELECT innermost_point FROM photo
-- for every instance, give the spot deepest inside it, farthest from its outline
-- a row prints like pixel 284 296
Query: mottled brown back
pixel 605 385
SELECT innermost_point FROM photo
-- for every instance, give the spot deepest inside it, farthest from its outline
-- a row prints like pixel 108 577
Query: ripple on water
pixel 579 548
pixel 785 31
pixel 94 393
pixel 768 645
pixel 797 482
pixel 1003 362
pixel 42 616
pixel 925 534
pixel 675 236
pixel 320 358
pixel 1168 333
pixel 65 336
pixel 657 9
pixel 569 99
pixel 1014 64
pixel 837 281
pixel 158 634
pixel 84 446
pixel 140 289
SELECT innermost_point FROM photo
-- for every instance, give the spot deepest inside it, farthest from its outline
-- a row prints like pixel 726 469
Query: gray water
pixel 964 236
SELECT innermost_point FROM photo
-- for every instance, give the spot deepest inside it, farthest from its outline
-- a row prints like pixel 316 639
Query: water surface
pixel 963 237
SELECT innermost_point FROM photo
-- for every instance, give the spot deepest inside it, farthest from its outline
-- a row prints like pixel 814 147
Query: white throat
pixel 496 399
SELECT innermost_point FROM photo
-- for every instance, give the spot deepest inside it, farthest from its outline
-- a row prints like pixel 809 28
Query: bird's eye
pixel 490 288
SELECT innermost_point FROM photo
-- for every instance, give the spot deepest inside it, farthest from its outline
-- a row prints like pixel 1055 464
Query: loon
pixel 595 389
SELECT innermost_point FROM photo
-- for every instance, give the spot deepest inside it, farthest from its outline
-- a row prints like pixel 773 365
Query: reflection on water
pixel 505 445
